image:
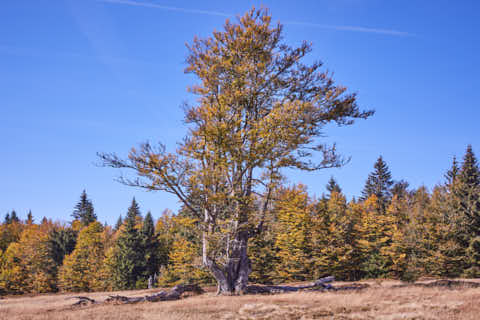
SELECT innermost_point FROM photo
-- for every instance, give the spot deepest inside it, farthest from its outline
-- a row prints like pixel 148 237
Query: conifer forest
pixel 389 231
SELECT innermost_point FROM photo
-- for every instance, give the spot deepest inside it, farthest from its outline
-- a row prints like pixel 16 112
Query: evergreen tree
pixel 7 219
pixel 134 210
pixel 467 192
pixel 379 184
pixel 376 232
pixel 452 173
pixel 30 219
pixel 84 210
pixel 61 242
pixel 473 255
pixel 332 186
pixel 334 239
pixel 150 246
pixel 119 223
pixel 129 257
pixel 442 236
pixel 400 189
pixel 14 217
pixel 9 232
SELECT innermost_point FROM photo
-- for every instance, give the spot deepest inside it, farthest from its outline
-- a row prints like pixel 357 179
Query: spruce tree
pixel 469 173
pixel 129 257
pixel 467 193
pixel 473 259
pixel 7 219
pixel 14 217
pixel 148 229
pixel 30 219
pixel 134 209
pixel 452 173
pixel 379 184
pixel 84 210
pixel 119 223
pixel 150 246
pixel 400 189
pixel 61 242
pixel 332 186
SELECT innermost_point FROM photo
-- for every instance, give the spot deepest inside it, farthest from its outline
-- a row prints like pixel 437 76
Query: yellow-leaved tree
pixel 293 234
pixel 376 234
pixel 335 231
pixel 260 110
pixel 184 256
pixel 82 270
pixel 27 265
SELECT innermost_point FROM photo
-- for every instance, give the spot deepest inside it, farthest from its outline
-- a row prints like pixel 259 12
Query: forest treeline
pixel 391 231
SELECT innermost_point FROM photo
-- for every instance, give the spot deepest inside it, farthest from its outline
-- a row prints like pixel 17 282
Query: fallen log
pixel 320 284
pixel 175 293
pixel 82 301
pixel 172 294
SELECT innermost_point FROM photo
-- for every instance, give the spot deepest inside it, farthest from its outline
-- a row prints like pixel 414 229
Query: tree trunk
pixel 233 277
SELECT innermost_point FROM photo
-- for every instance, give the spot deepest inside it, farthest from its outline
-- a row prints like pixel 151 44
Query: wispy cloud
pixel 299 23
pixel 352 28
pixel 168 8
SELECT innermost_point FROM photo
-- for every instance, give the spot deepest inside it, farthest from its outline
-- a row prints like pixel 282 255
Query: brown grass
pixel 380 301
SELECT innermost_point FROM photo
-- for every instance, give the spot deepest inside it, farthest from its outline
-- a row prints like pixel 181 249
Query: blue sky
pixel 79 77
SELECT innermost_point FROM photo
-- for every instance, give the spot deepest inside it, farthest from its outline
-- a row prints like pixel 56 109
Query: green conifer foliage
pixel 473 256
pixel 376 229
pixel 14 217
pixel 7 219
pixel 119 223
pixel 332 186
pixel 129 256
pixel 467 193
pixel 379 184
pixel 30 219
pixel 84 210
pixel 452 173
pixel 150 244
pixel 400 189
pixel 334 239
pixel 61 242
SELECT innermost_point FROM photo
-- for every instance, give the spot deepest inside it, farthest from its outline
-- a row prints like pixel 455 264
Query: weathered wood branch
pixel 82 301
pixel 323 283
pixel 175 293
pixel 172 294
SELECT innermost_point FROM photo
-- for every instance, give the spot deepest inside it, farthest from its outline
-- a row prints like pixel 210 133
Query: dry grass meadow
pixel 382 300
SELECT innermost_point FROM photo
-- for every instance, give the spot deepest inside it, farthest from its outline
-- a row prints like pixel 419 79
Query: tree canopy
pixel 260 109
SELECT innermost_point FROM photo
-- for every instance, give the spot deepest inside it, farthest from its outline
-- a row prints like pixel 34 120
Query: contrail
pixel 168 8
pixel 223 14
pixel 351 28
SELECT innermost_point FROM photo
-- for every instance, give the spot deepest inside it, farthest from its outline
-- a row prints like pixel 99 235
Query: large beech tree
pixel 260 110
